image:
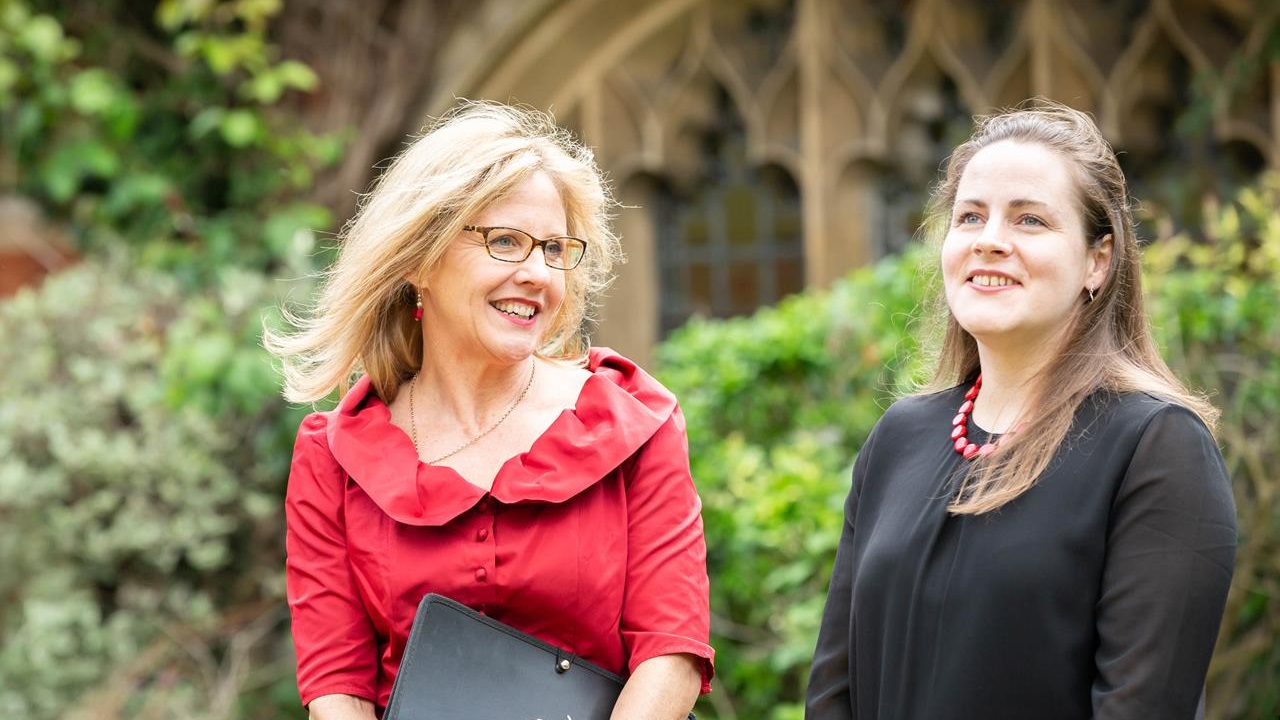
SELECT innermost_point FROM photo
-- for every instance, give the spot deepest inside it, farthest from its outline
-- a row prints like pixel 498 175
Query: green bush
pixel 1215 302
pixel 143 452
pixel 164 131
pixel 143 444
pixel 779 403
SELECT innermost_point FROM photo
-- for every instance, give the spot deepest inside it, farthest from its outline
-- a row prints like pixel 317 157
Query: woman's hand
pixel 341 707
pixel 661 688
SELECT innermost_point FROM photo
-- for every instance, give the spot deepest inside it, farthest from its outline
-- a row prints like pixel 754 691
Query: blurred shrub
pixel 159 125
pixel 143 453
pixel 779 403
pixel 1215 301
pixel 143 444
pixel 777 406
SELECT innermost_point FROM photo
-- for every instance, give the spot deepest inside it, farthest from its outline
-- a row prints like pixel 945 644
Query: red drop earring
pixel 417 310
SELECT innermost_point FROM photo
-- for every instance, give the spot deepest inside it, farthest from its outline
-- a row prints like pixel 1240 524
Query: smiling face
pixel 1016 262
pixel 478 309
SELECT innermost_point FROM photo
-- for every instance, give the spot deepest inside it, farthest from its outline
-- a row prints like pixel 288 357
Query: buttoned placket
pixel 481 529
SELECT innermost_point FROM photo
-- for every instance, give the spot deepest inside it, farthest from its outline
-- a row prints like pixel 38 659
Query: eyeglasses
pixel 510 245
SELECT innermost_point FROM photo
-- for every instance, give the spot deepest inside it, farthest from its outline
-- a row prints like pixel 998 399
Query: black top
pixel 1096 594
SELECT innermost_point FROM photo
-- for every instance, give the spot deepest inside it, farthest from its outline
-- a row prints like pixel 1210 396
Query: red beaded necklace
pixel 960 426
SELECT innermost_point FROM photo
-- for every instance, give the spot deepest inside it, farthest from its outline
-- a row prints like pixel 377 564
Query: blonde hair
pixel 1108 344
pixel 471 157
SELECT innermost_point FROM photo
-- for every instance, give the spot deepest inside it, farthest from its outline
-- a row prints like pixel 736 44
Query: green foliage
pixel 166 133
pixel 778 405
pixel 143 444
pixel 1216 308
pixel 142 459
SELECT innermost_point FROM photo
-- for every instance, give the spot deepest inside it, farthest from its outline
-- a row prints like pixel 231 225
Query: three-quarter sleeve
pixel 666 603
pixel 830 694
pixel 1170 554
pixel 334 638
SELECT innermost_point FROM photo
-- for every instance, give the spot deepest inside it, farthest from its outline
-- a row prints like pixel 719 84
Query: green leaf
pixel 206 121
pixel 282 228
pixel 137 190
pixel 241 128
pixel 264 88
pixel 42 36
pixel 256 12
pixel 188 44
pixel 222 55
pixel 94 92
pixel 13 15
pixel 9 76
pixel 73 162
pixel 296 75
pixel 173 14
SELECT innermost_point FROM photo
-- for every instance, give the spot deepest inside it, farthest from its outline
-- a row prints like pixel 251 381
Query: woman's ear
pixel 417 280
pixel 1099 263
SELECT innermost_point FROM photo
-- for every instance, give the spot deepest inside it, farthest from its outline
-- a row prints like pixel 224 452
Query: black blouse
pixel 1096 594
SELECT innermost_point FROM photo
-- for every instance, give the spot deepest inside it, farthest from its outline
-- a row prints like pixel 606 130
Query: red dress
pixel 592 540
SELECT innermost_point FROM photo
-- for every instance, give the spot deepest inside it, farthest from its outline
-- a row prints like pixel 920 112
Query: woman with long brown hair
pixel 1048 531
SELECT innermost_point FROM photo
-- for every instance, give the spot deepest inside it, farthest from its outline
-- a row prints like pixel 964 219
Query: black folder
pixel 461 665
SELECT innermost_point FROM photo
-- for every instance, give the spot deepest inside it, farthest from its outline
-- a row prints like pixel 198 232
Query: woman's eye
pixel 554 248
pixel 503 242
pixel 1032 220
pixel 968 218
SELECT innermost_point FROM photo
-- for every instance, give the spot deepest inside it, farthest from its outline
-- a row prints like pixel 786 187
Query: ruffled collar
pixel 619 409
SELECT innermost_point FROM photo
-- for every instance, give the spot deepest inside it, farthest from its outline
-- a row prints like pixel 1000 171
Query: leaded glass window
pixel 732 244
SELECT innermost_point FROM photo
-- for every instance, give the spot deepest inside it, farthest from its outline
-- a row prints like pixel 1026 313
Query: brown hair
pixel 1108 343
pixel 470 158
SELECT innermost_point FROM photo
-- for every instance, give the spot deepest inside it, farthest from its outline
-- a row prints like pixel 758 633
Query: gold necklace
pixel 413 419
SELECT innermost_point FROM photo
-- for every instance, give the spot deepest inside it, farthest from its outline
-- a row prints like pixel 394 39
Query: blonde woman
pixel 485 453
pixel 1050 534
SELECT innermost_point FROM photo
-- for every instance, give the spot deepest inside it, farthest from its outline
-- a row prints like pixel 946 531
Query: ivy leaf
pixel 137 190
pixel 42 36
pixel 9 76
pixel 72 163
pixel 297 75
pixel 206 121
pixel 265 87
pixel 94 92
pixel 241 128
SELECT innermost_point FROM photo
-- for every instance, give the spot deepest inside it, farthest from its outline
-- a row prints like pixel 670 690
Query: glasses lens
pixel 508 244
pixel 564 253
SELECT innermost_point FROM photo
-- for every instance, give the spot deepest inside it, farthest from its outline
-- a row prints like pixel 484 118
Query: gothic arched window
pixel 733 242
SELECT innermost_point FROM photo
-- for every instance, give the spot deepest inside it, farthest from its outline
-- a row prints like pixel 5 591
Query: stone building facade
pixel 763 146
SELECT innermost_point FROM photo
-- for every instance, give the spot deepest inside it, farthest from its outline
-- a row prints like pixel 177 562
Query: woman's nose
pixel 534 268
pixel 992 239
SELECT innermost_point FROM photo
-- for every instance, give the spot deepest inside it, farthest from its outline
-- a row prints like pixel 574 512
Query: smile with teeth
pixel 518 309
pixel 992 280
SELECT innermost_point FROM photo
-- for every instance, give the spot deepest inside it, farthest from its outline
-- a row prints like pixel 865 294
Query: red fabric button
pixel 481 574
pixel 483 505
pixel 482 534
